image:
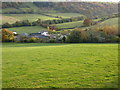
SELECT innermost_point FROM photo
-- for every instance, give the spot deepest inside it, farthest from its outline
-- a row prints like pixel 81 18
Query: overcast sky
pixel 103 0
pixel 61 0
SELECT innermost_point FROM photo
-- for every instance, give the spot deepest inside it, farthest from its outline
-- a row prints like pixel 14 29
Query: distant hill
pixel 85 8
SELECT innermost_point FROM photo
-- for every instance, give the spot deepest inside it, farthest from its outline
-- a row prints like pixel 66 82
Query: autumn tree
pixel 87 22
pixel 7 35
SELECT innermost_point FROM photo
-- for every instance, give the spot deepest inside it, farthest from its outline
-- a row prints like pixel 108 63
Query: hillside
pixel 84 8
pixel 12 18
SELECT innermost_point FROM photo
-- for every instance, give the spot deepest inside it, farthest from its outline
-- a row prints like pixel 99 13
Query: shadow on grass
pixel 31 44
pixel 113 85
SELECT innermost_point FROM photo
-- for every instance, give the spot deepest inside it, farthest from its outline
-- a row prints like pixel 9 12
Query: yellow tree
pixel 7 35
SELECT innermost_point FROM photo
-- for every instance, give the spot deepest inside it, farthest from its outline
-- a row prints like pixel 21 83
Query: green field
pixel 29 29
pixel 109 22
pixel 11 18
pixel 39 65
pixel 70 24
pixel 65 15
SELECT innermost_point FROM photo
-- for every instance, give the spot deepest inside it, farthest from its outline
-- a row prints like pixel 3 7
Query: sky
pixel 61 0
pixel 103 0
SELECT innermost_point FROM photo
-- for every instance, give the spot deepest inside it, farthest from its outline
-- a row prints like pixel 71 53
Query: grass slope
pixel 39 65
pixel 29 29
pixel 9 19
pixel 70 24
pixel 109 22
pixel 65 15
pixel 30 17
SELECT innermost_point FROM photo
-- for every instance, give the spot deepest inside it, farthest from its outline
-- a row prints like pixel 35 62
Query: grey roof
pixel 23 34
pixel 37 35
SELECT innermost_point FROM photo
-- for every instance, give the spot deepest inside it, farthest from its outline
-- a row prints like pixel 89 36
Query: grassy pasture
pixel 65 15
pixel 9 19
pixel 18 17
pixel 39 65
pixel 29 29
pixel 109 22
pixel 70 24
pixel 9 9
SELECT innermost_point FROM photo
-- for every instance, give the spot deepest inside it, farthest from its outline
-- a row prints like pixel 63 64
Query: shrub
pixel 116 39
pixel 34 39
pixel 52 41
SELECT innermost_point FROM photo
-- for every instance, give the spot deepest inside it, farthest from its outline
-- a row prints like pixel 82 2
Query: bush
pixel 52 41
pixel 34 39
pixel 116 39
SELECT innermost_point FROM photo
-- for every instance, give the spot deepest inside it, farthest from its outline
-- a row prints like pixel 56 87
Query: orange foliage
pixel 7 35
pixel 87 22
pixel 109 30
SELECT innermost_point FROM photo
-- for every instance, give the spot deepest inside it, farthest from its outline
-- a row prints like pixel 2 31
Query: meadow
pixel 65 15
pixel 70 24
pixel 27 29
pixel 110 22
pixel 49 65
pixel 11 18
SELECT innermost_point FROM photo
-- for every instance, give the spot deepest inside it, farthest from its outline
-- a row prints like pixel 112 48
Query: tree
pixel 87 22
pixel 74 36
pixel 64 39
pixel 77 35
pixel 7 35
